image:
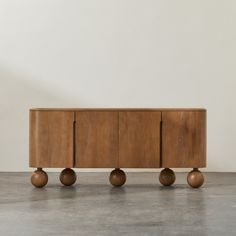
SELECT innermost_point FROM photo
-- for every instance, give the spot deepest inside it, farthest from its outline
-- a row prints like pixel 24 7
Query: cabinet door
pixel 96 139
pixel 139 139
pixel 51 139
pixel 184 139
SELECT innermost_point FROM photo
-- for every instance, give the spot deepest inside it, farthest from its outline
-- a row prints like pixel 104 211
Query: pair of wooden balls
pixel 195 178
pixel 40 178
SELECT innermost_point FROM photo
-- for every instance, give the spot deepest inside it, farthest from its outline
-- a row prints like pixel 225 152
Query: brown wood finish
pixel 118 109
pixel 139 139
pixel 117 177
pixel 184 139
pixel 167 177
pixel 195 178
pixel 107 137
pixel 39 178
pixel 68 177
pixel 96 139
pixel 51 139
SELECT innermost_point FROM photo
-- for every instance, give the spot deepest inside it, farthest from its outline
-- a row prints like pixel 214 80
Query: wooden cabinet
pixel 139 139
pixel 96 139
pixel 118 138
pixel 184 139
pixel 51 138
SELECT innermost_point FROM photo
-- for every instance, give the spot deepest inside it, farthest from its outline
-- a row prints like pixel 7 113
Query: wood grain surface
pixel 118 109
pixel 116 138
pixel 51 139
pixel 184 139
pixel 96 142
pixel 139 139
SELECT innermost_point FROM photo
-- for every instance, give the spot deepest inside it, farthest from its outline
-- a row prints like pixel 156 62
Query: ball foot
pixel 167 177
pixel 39 178
pixel 195 178
pixel 117 177
pixel 68 177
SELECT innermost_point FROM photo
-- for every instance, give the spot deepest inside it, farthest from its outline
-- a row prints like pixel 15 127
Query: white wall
pixel 117 53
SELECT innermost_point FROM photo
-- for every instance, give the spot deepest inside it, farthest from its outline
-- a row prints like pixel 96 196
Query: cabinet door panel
pixel 51 139
pixel 96 139
pixel 139 139
pixel 184 139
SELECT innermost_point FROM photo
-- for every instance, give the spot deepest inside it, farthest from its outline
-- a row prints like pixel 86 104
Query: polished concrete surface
pixel 141 207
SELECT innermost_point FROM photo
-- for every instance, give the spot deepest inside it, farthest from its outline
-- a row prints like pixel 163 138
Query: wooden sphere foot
pixel 195 178
pixel 39 178
pixel 167 177
pixel 68 177
pixel 117 177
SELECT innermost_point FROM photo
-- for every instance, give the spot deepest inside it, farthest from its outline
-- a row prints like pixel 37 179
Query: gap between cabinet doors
pixel 113 139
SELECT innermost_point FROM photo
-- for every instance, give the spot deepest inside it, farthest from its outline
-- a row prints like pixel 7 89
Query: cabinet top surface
pixel 117 109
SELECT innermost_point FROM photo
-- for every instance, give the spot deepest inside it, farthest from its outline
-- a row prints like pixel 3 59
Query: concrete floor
pixel 141 207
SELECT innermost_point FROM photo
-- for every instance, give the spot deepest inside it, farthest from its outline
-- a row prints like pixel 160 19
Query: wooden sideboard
pixel 117 138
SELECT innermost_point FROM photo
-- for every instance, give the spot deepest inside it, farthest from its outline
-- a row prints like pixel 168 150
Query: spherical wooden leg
pixel 39 178
pixel 68 177
pixel 117 177
pixel 195 178
pixel 167 177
